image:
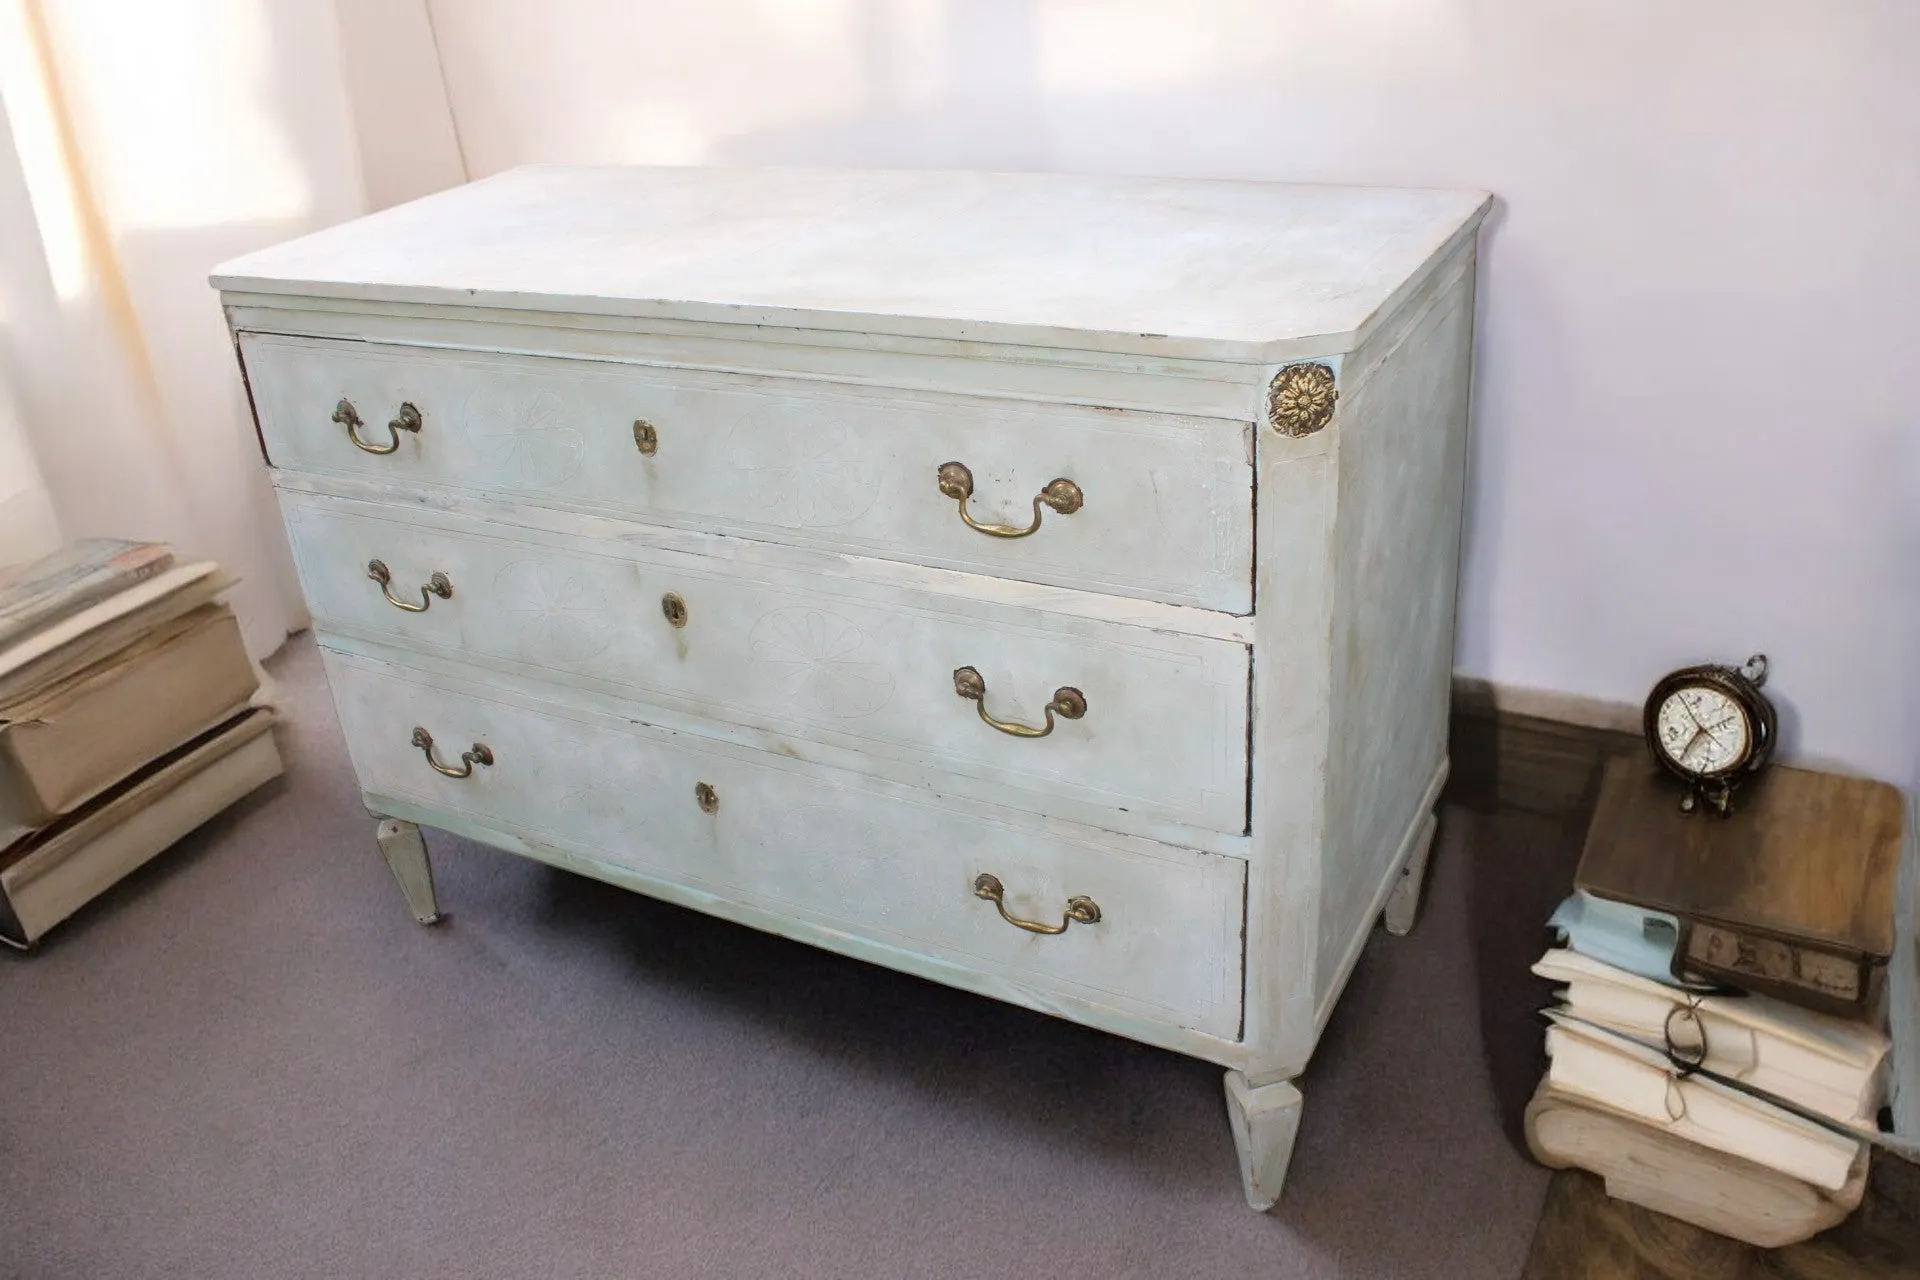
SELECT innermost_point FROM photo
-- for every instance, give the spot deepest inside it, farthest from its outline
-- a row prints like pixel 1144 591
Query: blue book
pixel 1624 936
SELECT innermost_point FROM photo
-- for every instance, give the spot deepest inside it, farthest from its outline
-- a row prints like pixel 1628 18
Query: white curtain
pixel 140 145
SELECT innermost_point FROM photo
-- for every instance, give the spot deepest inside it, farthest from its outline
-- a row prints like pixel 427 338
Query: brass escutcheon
pixel 480 754
pixel 408 419
pixel 1068 703
pixel 645 438
pixel 674 608
pixel 437 585
pixel 706 797
pixel 1062 494
pixel 1080 909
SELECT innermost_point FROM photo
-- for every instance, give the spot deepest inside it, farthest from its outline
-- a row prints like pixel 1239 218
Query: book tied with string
pixel 1742 1114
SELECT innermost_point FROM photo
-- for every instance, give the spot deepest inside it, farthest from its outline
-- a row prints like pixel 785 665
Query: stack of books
pixel 126 720
pixel 1718 1046
pixel 1739 1113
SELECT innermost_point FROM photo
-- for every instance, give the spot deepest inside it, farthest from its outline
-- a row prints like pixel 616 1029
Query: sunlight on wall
pixel 1097 46
pixel 27 89
pixel 1101 45
pixel 805 26
pixel 673 84
pixel 659 133
pixel 201 150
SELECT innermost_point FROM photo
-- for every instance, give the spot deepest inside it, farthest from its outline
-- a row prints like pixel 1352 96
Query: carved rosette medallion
pixel 1301 399
pixel 822 661
pixel 562 620
pixel 527 432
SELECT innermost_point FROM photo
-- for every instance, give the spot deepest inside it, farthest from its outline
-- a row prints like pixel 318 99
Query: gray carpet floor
pixel 248 1061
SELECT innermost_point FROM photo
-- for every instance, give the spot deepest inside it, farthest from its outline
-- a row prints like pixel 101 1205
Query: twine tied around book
pixel 1686 1052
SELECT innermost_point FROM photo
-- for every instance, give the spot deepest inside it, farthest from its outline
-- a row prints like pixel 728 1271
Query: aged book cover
pixel 81 735
pixel 1793 894
pixel 38 593
pixel 48 876
pixel 74 643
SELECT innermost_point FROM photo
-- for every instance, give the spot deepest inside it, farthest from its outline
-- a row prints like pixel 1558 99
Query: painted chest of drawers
pixel 1042 585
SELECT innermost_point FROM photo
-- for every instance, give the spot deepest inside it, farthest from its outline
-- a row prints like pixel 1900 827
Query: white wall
pixel 1696 434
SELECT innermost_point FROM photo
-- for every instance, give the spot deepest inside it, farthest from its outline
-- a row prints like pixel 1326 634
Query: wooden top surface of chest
pixel 1237 271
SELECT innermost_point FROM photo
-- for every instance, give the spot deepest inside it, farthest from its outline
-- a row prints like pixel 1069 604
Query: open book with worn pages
pixel 78 640
pixel 37 593
pixel 1833 1067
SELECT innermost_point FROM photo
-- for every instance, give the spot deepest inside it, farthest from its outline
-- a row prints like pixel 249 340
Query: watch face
pixel 1703 730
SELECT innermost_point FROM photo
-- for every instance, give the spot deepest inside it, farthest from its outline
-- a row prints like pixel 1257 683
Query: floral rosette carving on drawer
pixel 527 433
pixel 811 478
pixel 576 782
pixel 558 617
pixel 821 661
pixel 849 853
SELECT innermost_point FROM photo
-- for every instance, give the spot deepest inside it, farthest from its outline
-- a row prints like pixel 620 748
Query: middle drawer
pixel 1003 703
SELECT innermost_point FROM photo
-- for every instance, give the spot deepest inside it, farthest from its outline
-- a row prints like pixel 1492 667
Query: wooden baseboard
pixel 1535 752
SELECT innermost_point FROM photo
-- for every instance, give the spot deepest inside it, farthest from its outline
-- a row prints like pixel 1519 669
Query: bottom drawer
pixel 872 859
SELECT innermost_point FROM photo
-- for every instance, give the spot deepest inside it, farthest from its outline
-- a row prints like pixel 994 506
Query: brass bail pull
pixel 956 482
pixel 408 419
pixel 1068 703
pixel 437 585
pixel 481 754
pixel 1080 909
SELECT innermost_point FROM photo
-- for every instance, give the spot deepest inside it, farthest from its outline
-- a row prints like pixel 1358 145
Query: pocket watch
pixel 1712 728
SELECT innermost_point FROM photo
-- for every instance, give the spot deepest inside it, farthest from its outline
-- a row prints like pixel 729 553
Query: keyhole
pixel 675 608
pixel 708 798
pixel 645 438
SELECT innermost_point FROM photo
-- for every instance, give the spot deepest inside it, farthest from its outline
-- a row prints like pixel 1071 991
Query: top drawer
pixel 1164 510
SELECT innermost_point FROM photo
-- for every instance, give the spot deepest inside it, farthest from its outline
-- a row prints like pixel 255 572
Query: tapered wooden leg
pixel 1403 904
pixel 406 853
pixel 1265 1119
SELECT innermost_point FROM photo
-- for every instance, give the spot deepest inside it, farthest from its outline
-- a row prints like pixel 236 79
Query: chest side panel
pixel 1401 463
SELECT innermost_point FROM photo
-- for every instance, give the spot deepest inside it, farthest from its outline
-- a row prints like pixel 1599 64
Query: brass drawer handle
pixel 408 419
pixel 1068 703
pixel 1080 910
pixel 437 585
pixel 481 754
pixel 1062 495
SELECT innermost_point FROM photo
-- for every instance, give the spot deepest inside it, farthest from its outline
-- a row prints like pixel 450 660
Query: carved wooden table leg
pixel 1265 1119
pixel 406 853
pixel 1403 904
